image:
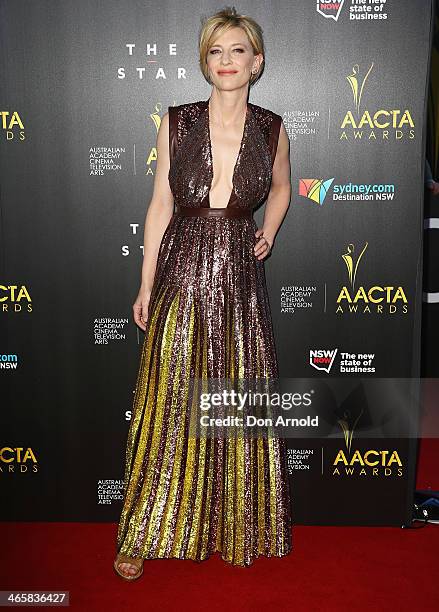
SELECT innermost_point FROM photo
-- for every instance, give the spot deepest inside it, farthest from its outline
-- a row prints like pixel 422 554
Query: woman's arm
pixel 278 199
pixel 160 209
pixel 159 214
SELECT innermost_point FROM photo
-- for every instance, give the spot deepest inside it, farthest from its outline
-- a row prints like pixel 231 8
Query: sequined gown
pixel 209 316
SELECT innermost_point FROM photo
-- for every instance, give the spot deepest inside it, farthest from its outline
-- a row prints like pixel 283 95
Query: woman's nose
pixel 225 59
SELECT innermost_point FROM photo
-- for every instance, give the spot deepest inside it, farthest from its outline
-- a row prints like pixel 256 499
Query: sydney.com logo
pixel 316 190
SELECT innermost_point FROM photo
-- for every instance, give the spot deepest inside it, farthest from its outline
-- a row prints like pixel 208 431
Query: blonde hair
pixel 214 26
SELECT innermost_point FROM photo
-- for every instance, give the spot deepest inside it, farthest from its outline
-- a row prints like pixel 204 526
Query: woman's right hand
pixel 140 308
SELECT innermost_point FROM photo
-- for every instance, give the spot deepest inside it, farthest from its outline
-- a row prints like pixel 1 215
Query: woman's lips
pixel 226 72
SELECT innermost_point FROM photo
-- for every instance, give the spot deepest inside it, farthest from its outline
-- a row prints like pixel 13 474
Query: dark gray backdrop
pixel 72 237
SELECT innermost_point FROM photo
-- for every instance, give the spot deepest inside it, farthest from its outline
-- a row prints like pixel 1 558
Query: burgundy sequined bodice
pixel 191 171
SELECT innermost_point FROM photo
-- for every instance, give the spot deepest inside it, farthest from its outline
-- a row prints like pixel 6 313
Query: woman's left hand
pixel 263 246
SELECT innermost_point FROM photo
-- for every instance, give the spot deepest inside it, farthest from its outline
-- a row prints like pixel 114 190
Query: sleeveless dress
pixel 209 317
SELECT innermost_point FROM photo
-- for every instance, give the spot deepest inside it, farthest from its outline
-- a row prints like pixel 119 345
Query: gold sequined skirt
pixel 188 497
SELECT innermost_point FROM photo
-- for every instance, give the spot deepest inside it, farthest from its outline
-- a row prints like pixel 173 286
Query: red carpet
pixel 331 568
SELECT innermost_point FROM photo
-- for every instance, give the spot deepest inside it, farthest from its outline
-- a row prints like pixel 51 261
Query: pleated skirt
pixel 186 496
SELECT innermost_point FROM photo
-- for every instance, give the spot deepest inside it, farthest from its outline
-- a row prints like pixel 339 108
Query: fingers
pixel 262 248
pixel 140 315
pixel 143 320
pixel 433 186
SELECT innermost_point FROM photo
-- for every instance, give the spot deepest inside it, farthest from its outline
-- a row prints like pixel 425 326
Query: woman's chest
pixel 208 163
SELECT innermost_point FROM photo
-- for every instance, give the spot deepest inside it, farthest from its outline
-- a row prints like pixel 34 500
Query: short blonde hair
pixel 214 26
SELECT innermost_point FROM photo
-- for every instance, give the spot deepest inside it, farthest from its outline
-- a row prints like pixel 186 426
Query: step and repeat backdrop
pixel 84 87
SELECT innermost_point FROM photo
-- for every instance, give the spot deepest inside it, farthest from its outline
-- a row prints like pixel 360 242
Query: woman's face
pixel 230 60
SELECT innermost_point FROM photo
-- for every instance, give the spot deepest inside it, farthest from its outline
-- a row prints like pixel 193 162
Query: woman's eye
pixel 212 51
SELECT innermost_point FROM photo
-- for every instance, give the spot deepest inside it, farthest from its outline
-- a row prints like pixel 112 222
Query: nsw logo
pixel 322 359
pixel 330 8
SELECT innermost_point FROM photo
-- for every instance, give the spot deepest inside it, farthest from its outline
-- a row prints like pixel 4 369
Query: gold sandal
pixel 138 562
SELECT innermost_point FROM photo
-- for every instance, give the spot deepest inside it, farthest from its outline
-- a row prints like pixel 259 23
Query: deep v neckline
pixel 209 140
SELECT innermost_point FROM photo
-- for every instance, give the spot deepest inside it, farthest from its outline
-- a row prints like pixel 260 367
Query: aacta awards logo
pixel 365 300
pixel 15 299
pixel 371 462
pixel 12 125
pixel 157 121
pixel 13 460
pixel 374 124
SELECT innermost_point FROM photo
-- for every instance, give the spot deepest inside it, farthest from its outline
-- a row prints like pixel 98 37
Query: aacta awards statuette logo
pixel 373 125
pixel 370 462
pixel 157 121
pixel 366 300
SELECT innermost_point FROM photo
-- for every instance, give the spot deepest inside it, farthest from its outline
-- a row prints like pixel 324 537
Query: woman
pixel 203 305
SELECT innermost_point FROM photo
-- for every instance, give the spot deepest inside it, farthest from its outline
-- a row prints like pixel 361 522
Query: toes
pixel 128 568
